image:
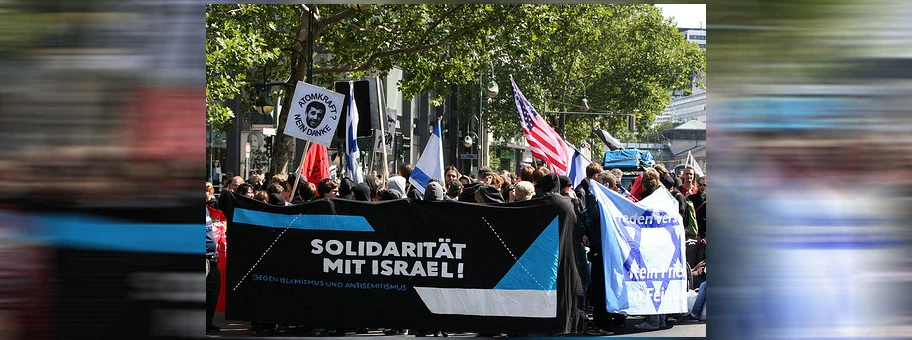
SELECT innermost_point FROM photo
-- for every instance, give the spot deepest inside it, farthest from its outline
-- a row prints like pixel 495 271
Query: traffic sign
pixel 468 156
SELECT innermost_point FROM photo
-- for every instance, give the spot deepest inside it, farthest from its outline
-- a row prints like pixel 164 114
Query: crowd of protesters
pixel 491 187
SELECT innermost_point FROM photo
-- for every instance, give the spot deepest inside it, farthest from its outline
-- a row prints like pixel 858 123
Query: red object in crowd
pixel 636 190
pixel 221 245
pixel 316 164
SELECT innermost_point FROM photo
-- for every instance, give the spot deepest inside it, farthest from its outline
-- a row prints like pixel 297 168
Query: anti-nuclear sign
pixel 314 114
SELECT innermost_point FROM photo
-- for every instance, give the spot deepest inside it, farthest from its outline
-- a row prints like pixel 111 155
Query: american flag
pixel 544 142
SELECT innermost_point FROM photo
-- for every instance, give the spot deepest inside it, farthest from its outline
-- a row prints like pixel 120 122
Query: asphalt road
pixel 237 329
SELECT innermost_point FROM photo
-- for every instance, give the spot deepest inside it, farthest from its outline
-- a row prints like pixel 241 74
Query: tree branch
pixel 434 25
pixel 370 61
pixel 341 15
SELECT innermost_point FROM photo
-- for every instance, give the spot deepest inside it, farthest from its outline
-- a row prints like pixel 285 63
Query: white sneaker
pixel 645 325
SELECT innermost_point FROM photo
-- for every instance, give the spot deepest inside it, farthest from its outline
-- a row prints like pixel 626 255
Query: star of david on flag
pixel 642 246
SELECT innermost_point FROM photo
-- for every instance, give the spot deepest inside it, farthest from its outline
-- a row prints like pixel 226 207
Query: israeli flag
pixel 430 165
pixel 642 249
pixel 578 164
pixel 693 162
pixel 353 155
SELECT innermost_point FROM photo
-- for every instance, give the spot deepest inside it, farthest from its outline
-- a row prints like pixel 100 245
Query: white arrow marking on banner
pixel 264 253
pixel 516 259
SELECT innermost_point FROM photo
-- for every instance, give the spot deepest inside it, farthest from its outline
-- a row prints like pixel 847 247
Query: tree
pixel 625 57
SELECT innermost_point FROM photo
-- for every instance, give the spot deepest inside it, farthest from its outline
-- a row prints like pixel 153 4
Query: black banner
pixel 404 264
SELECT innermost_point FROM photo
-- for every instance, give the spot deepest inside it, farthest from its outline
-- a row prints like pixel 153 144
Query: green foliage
pixel 625 58
pixel 240 41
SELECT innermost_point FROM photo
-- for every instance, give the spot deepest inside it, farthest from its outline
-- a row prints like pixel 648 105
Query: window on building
pixel 702 45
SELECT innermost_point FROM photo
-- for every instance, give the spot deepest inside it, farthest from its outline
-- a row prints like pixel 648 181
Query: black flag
pixel 611 142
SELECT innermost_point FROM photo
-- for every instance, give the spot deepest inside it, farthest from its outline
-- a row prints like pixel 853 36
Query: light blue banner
pixel 642 247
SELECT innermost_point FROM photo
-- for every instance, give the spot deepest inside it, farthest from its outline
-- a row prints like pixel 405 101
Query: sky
pixel 686 15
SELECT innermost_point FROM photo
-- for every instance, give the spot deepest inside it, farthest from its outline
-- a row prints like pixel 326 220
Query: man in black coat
pixel 603 321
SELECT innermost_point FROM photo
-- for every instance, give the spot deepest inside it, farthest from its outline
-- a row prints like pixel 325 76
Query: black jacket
pixel 589 215
pixel 700 208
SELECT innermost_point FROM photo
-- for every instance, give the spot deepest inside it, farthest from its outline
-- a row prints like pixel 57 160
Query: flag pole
pixel 373 153
pixel 300 172
pixel 382 121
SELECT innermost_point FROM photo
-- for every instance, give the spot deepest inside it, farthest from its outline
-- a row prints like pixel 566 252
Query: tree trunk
pixel 283 150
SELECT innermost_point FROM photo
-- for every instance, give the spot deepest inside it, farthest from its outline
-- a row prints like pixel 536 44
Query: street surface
pixel 235 329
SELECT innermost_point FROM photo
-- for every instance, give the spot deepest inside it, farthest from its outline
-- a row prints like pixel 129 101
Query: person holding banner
pixel 307 191
pixel 607 179
pixel 232 185
pixel 213 279
pixel 523 191
pixel 327 188
pixel 602 321
pixel 434 191
pixel 548 185
pixel 371 183
pixel 652 181
pixel 488 194
pixel 345 188
pixel 537 176
pixel 361 192
pixel 454 189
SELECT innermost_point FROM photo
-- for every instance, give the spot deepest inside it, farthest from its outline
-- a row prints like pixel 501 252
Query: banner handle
pixel 300 171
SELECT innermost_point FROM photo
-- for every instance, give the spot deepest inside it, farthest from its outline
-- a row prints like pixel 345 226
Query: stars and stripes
pixel 543 141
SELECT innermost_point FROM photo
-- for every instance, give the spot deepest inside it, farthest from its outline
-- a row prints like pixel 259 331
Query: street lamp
pixel 490 91
pixel 469 140
pixel 264 105
pixel 583 106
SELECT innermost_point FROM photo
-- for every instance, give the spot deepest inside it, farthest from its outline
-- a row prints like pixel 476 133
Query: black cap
pixel 276 199
pixel 485 171
pixel 390 194
pixel 564 181
pixel 490 194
